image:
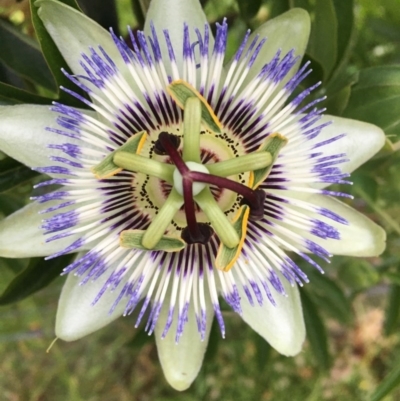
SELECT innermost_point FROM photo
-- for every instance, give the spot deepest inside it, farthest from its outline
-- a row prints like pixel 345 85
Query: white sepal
pixel 282 325
pixel 23 134
pixel 76 316
pixel 171 15
pixel 22 237
pixel 181 362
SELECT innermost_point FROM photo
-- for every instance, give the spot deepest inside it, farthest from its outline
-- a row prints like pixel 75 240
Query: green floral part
pixel 107 168
pixel 134 239
pixel 181 91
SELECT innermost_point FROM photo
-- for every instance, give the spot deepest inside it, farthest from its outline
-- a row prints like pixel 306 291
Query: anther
pixel 257 205
pixel 201 235
pixel 174 140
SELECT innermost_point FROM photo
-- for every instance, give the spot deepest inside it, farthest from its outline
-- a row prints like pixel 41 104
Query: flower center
pixel 191 182
pixel 197 187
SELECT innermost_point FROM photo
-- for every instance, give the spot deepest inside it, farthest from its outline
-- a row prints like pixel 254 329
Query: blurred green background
pixel 352 312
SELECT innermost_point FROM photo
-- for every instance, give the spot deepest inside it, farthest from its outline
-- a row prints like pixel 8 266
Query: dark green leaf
pixel 358 274
pixel 326 293
pixel 336 103
pixel 278 7
pixel 345 20
pixel 139 340
pixel 213 343
pixel 13 173
pixel 338 91
pixel 138 12
pixel 13 95
pixel 263 352
pixel 16 49
pixel 388 384
pixel 367 183
pixel 9 203
pixel 392 313
pixel 104 13
pixel 52 55
pixel 36 276
pixel 376 98
pixel 316 332
pixel 249 9
pixel 8 76
pixel 317 72
pixel 322 46
pixel 306 4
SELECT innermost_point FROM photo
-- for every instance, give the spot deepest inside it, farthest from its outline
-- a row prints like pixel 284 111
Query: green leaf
pixel 138 12
pixel 358 274
pixel 376 99
pixel 322 46
pixel 213 343
pixel 104 13
pixel 278 7
pixel 338 91
pixel 331 298
pixel 13 173
pixel 53 56
pixel 392 312
pixel 37 275
pixel 336 103
pixel 14 95
pixel 263 353
pixel 316 332
pixel 249 9
pixel 16 49
pixel 388 384
pixel 139 340
pixel 344 10
pixel 367 183
pixel 10 204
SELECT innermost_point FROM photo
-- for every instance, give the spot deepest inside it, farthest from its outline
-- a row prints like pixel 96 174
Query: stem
pixel 222 226
pixel 140 164
pixel 191 130
pixel 161 221
pixel 240 164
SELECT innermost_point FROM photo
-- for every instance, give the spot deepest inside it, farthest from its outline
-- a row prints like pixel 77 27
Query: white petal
pixel 181 362
pixel 362 140
pixel 171 15
pixel 76 316
pixel 23 134
pixel 281 325
pixel 361 237
pixel 74 32
pixel 288 31
pixel 22 237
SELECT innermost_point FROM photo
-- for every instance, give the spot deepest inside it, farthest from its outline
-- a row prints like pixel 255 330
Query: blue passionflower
pixel 188 178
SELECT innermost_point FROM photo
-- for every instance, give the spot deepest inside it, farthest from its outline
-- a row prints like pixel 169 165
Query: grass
pixel 120 363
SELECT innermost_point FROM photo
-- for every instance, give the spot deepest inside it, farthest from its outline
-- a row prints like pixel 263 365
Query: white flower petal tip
pixel 29 146
pixel 181 362
pixel 282 325
pixel 289 31
pixel 361 140
pixel 360 237
pixel 22 237
pixel 76 316
pixel 171 15
pixel 74 33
